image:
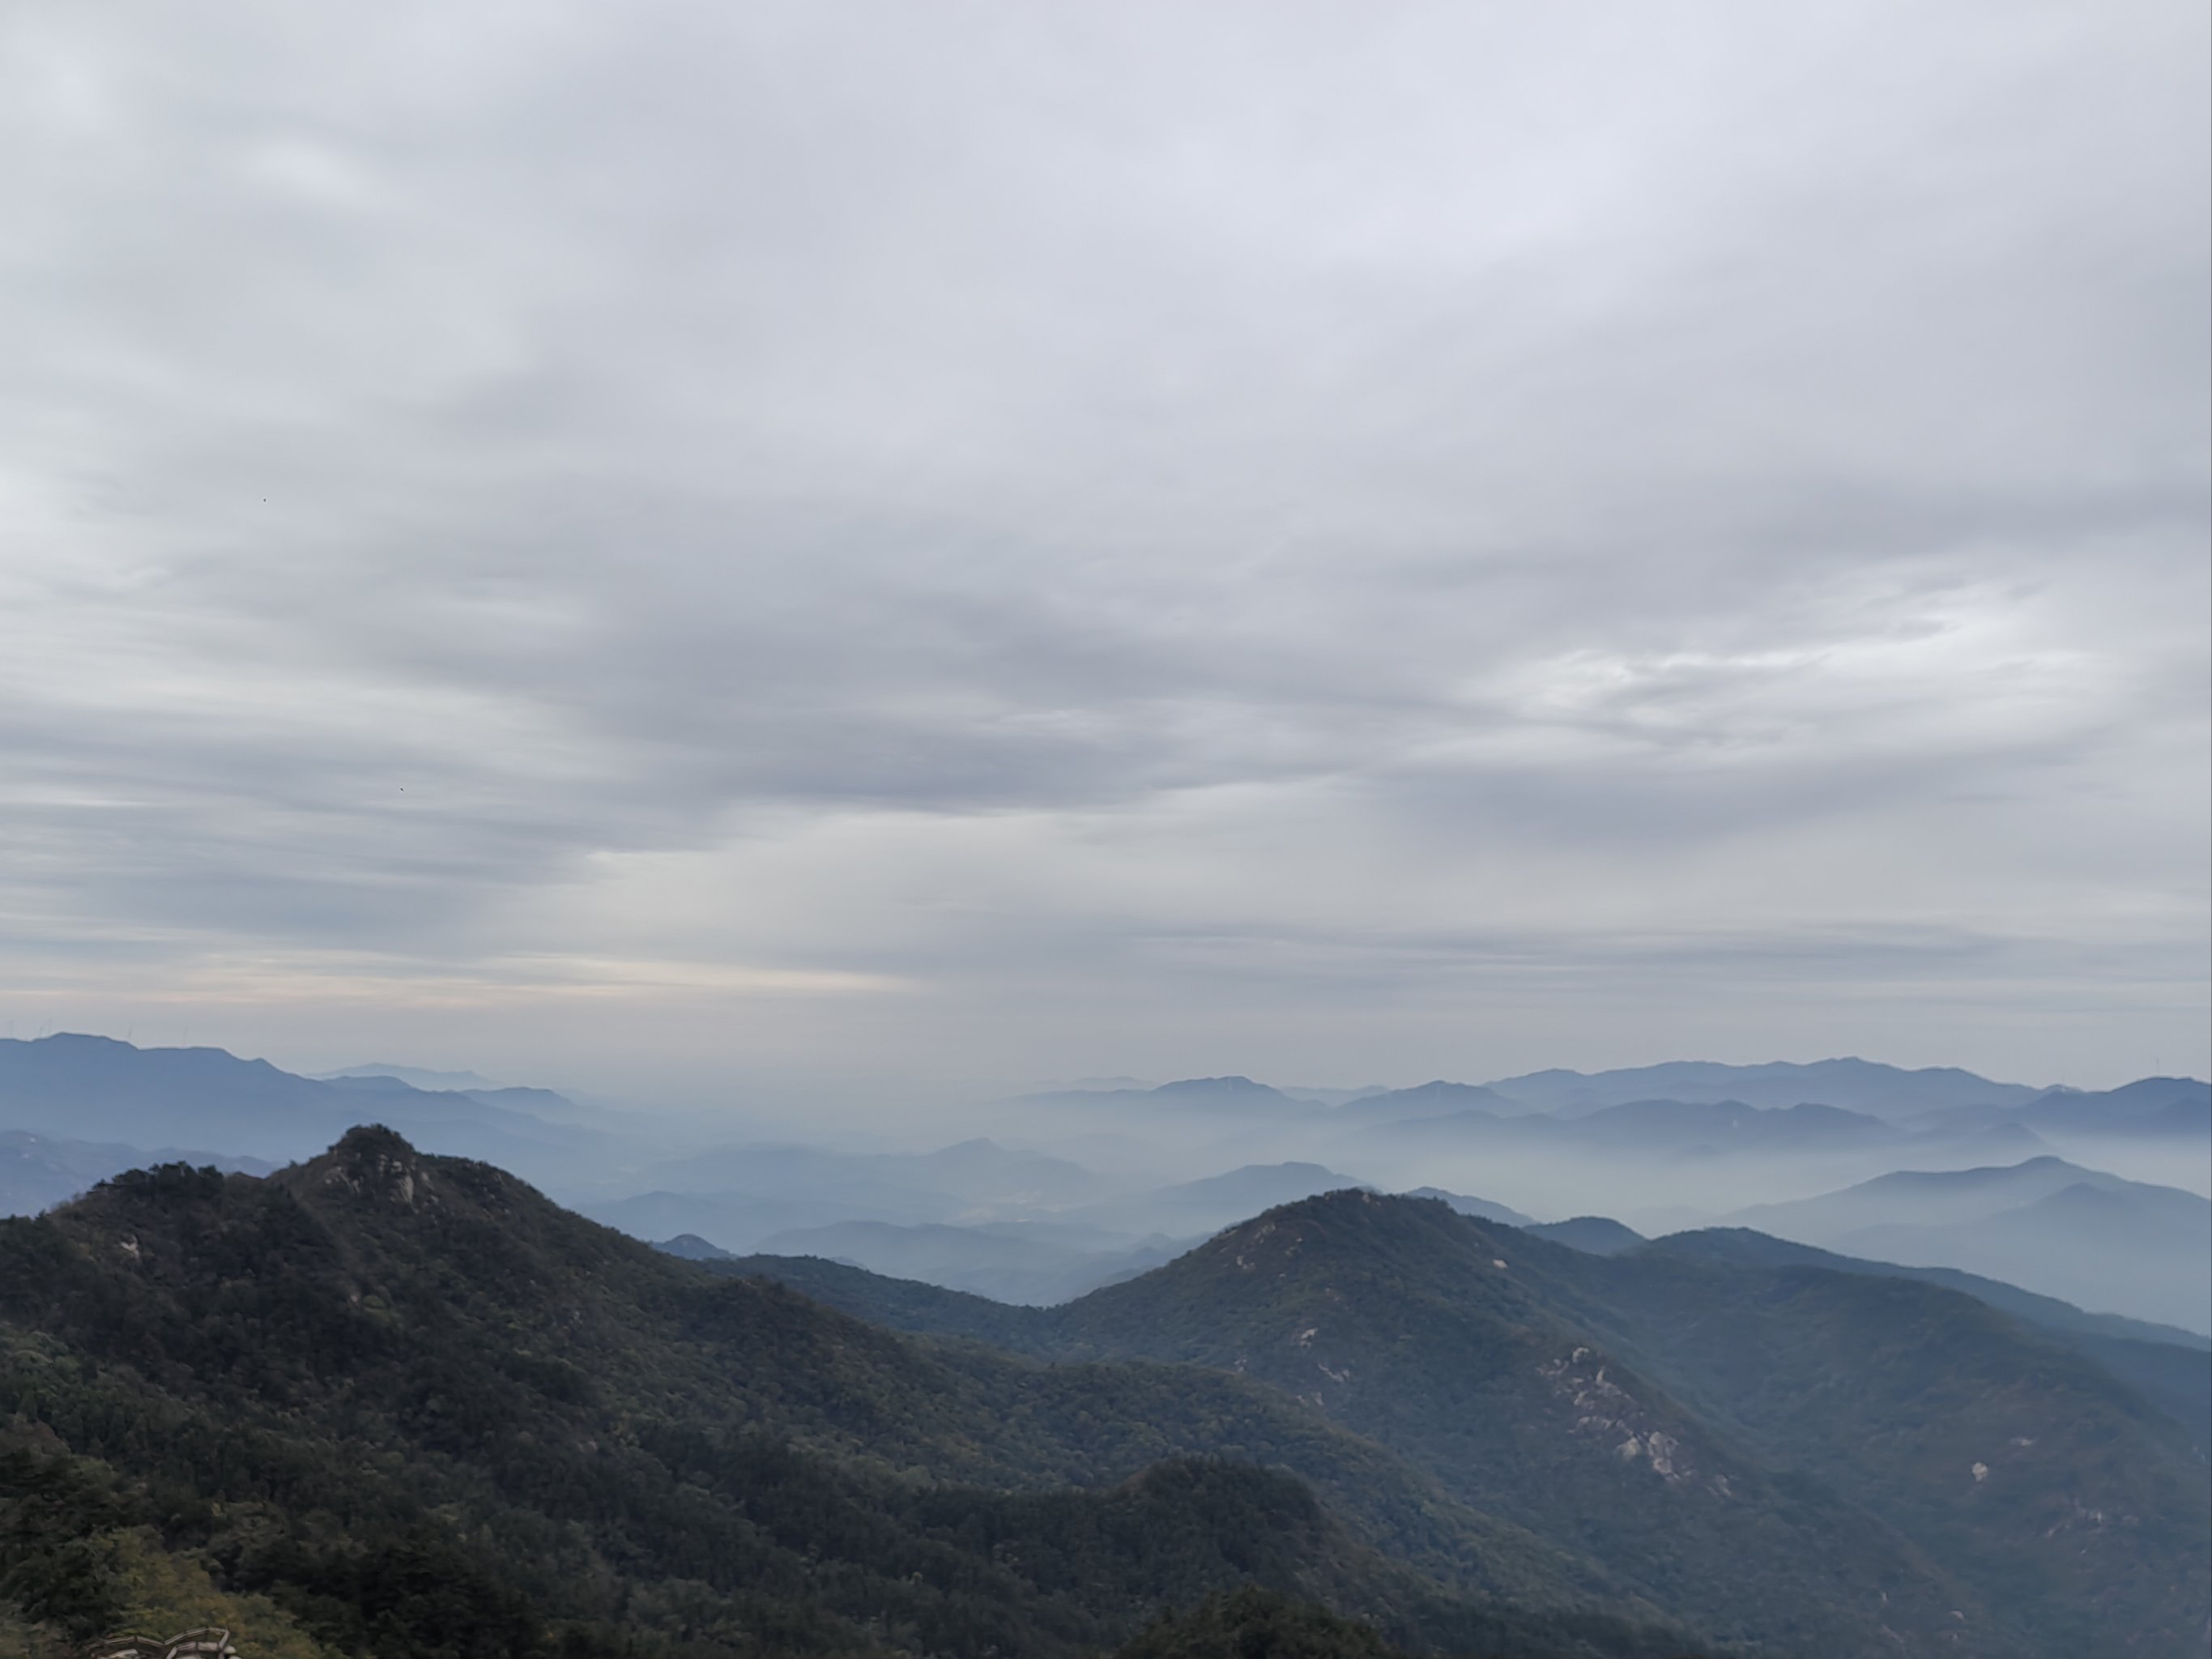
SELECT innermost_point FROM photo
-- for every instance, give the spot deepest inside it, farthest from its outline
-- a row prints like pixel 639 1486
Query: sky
pixel 691 550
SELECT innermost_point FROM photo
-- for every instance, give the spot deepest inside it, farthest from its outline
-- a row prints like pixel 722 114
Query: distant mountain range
pixel 415 1077
pixel 1437 1099
pixel 1189 1209
pixel 1480 1208
pixel 1859 1086
pixel 1229 1098
pixel 740 1196
pixel 121 1093
pixel 1676 1129
pixel 2151 1107
pixel 1029 1224
pixel 37 1171
pixel 1031 1263
pixel 1856 1085
pixel 971 1169
pixel 1940 1099
pixel 1594 1235
pixel 92 1089
pixel 894 1213
pixel 2044 1224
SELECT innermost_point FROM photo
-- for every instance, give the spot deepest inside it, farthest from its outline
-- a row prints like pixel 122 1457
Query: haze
pixel 717 554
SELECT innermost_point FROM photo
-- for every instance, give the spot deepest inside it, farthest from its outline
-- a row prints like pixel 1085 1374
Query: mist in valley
pixel 2096 1198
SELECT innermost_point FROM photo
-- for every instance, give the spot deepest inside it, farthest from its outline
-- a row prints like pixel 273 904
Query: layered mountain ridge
pixel 415 1408
pixel 279 1387
pixel 1471 1436
pixel 1479 1351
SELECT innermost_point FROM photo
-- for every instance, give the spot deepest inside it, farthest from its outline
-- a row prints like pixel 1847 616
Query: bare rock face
pixel 1606 1411
pixel 373 1162
pixel 208 1641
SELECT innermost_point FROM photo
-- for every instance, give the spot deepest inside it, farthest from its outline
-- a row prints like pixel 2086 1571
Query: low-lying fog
pixel 2104 1200
pixel 1044 1196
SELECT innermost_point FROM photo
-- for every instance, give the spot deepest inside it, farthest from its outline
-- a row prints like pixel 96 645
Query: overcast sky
pixel 675 547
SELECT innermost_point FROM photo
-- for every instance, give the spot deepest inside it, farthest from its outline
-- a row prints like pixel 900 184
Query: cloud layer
pixel 1001 540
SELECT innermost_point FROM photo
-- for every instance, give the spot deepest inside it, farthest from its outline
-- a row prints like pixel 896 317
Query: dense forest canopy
pixel 386 1404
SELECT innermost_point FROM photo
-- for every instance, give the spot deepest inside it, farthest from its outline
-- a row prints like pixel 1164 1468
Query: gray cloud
pixel 993 496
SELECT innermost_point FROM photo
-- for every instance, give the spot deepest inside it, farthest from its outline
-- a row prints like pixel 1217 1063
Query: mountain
pixel 2151 1106
pixel 1008 1262
pixel 2055 1491
pixel 415 1077
pixel 1437 1099
pixel 2143 1251
pixel 2083 1236
pixel 542 1102
pixel 972 1172
pixel 738 1222
pixel 38 1171
pixel 2170 1367
pixel 1918 1198
pixel 1482 1208
pixel 1636 1128
pixel 1085 1085
pixel 1595 1234
pixel 1330 1097
pixel 692 1248
pixel 398 1405
pixel 1859 1086
pixel 1200 1099
pixel 983 1170
pixel 97 1089
pixel 1253 1622
pixel 1731 1124
pixel 1773 1453
pixel 740 1196
pixel 1996 1143
pixel 1399 1321
pixel 390 1404
pixel 1745 1247
pixel 1192 1209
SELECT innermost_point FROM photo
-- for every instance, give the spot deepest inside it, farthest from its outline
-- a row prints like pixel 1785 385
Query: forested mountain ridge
pixel 395 1405
pixel 401 1406
pixel 2169 1367
pixel 1442 1337
pixel 1880 1431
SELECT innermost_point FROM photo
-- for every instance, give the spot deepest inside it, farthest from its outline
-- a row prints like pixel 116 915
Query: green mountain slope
pixel 2030 1471
pixel 2166 1365
pixel 1778 1452
pixel 1746 1248
pixel 1251 1624
pixel 1422 1328
pixel 411 1408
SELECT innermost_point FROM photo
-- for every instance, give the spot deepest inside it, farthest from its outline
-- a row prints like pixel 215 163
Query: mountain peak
pixel 374 1162
pixel 85 1040
pixel 1286 1222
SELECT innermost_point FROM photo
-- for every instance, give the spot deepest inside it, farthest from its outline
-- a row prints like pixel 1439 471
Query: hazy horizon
pixel 651 1093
